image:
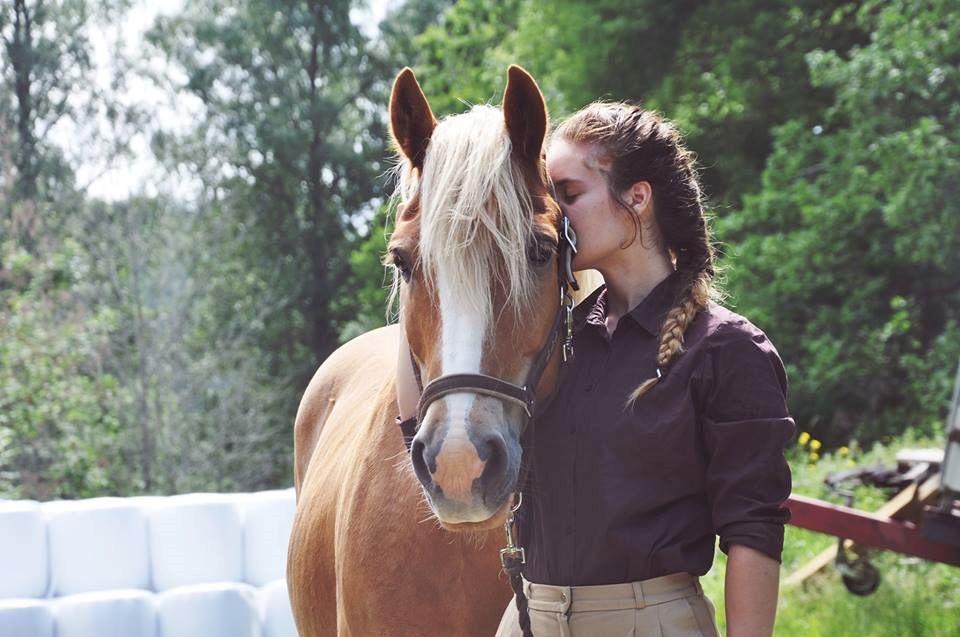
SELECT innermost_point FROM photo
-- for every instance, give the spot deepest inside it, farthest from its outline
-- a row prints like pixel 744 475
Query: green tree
pixel 291 142
pixel 725 72
pixel 60 435
pixel 850 253
pixel 463 58
pixel 45 79
pixel 61 428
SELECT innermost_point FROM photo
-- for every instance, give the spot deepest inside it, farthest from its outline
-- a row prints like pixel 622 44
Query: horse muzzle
pixel 468 470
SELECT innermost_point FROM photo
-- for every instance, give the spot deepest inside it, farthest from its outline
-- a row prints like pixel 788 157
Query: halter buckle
pixel 528 401
pixel 511 555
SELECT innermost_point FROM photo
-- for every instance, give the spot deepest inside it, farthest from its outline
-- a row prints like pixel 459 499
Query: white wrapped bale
pixel 209 610
pixel 24 561
pixel 97 545
pixel 267 520
pixel 194 539
pixel 117 613
pixel 276 615
pixel 25 618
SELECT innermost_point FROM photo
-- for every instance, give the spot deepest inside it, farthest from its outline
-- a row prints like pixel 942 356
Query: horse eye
pixel 540 251
pixel 400 264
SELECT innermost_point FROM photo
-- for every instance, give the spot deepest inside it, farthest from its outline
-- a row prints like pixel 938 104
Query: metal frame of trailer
pixel 921 520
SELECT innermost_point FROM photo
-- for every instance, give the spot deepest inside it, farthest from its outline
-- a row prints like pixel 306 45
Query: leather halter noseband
pixel 524 395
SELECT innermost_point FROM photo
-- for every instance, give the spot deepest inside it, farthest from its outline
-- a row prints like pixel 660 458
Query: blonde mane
pixel 475 211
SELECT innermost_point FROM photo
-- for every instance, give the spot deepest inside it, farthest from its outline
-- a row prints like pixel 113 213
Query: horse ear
pixel 525 113
pixel 411 120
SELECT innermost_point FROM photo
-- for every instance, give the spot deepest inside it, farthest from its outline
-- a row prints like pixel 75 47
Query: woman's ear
pixel 640 198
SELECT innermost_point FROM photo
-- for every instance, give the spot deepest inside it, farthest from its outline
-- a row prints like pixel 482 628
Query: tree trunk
pixel 322 232
pixel 20 49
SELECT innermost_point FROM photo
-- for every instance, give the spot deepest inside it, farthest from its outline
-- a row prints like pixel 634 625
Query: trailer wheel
pixel 865 581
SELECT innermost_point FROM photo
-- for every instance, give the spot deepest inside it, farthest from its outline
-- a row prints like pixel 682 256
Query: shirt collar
pixel 649 313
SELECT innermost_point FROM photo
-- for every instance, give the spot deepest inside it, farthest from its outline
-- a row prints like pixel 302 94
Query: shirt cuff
pixel 766 537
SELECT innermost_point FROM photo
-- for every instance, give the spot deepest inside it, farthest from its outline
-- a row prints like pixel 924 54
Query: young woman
pixel 669 427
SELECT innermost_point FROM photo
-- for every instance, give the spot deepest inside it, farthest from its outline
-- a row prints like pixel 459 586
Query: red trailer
pixel 922 519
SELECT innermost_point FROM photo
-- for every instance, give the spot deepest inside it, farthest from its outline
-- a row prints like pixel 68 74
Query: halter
pixel 524 395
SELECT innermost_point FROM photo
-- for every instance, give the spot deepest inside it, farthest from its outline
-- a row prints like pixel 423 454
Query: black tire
pixel 865 582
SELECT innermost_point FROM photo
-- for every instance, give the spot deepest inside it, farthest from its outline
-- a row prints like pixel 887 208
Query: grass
pixel 915 598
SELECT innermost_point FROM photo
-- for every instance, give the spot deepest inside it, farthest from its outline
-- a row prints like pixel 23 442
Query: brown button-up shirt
pixel 620 495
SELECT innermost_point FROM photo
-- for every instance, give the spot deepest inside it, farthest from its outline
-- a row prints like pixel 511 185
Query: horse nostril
pixel 493 451
pixel 419 463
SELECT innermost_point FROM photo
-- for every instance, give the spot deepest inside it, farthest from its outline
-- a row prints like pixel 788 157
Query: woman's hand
pixel 751 585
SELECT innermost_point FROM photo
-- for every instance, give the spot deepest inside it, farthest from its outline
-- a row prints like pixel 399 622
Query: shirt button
pixel 589 388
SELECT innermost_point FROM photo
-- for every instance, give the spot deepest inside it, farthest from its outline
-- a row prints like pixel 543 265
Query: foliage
pixel 291 139
pixel 369 279
pixel 460 63
pixel 204 410
pixel 45 82
pixel 59 427
pixel 726 73
pixel 849 253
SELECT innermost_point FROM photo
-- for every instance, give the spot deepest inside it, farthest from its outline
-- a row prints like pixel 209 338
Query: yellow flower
pixel 851 463
pixel 804 437
pixel 843 451
pixel 814 456
pixel 815 444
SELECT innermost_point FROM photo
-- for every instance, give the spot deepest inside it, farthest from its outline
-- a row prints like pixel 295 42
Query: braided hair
pixel 633 144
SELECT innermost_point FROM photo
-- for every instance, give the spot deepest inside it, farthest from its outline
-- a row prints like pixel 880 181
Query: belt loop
pixel 638 598
pixel 697 586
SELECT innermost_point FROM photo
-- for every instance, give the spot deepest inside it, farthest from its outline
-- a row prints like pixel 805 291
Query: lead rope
pixel 512 559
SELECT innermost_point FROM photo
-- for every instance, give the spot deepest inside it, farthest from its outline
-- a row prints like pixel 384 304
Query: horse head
pixel 475 250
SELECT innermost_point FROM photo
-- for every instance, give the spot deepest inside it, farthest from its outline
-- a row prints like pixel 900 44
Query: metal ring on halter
pixel 570 234
pixel 516 507
pixel 569 239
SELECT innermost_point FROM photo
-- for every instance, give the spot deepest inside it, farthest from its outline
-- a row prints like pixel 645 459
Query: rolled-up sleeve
pixel 745 427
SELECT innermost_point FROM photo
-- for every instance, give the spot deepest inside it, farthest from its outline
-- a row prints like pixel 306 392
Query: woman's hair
pixel 630 145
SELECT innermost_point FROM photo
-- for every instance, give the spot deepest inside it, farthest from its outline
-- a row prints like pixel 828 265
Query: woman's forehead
pixel 571 161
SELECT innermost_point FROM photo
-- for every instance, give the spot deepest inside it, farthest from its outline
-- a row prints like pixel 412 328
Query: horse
pixel 387 542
